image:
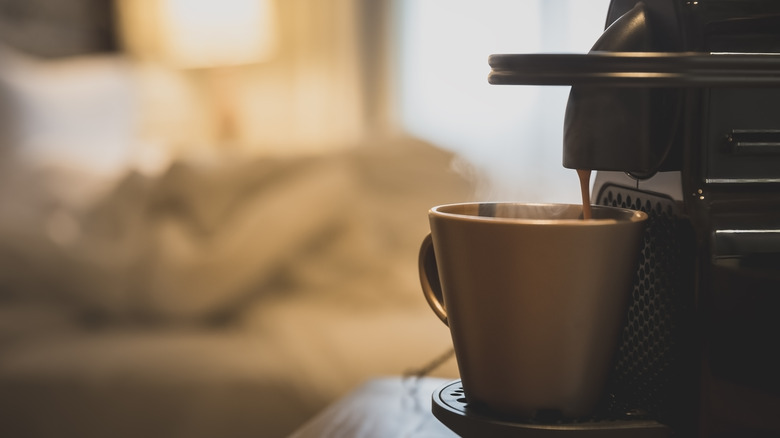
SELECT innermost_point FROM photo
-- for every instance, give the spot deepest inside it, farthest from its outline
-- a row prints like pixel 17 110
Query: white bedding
pixel 307 303
pixel 232 296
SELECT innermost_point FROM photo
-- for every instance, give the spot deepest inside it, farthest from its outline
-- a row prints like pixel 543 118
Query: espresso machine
pixel 677 109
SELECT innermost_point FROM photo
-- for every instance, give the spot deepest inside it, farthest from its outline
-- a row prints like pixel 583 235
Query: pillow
pixel 77 111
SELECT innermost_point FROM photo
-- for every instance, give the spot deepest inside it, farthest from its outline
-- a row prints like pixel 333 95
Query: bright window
pixel 511 134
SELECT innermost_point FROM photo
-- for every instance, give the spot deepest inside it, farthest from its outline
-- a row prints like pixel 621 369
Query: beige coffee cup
pixel 535 299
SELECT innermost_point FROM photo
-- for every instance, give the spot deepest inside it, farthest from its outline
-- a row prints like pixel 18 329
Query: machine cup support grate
pixel 653 365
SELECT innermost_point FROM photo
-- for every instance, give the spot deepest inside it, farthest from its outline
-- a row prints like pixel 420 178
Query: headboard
pixel 58 28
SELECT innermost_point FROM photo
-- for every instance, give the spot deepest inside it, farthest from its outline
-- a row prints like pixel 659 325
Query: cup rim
pixel 631 215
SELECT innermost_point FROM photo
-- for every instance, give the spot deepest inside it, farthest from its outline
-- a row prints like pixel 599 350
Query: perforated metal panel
pixel 653 368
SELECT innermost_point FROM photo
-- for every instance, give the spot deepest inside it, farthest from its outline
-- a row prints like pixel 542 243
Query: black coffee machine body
pixel 677 108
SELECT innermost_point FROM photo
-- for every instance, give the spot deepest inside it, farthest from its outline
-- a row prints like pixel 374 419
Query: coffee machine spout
pixel 628 129
pixel 632 130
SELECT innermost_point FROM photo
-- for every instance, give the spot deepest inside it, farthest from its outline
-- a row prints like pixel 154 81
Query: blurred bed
pixel 230 296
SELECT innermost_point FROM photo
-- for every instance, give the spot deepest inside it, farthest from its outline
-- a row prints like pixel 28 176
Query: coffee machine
pixel 677 108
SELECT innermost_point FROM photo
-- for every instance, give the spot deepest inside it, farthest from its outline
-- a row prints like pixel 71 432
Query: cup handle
pixel 429 279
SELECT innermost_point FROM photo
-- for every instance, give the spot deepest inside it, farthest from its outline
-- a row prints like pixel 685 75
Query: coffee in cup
pixel 535 298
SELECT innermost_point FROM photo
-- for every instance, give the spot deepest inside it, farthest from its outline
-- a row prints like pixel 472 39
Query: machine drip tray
pixel 449 406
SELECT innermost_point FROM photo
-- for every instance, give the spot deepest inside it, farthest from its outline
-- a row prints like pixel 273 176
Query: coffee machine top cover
pixel 626 104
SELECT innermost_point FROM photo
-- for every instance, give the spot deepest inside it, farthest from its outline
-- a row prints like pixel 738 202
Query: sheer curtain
pixel 510 136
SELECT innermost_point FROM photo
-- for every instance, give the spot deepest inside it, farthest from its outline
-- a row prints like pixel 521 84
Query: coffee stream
pixel 585 189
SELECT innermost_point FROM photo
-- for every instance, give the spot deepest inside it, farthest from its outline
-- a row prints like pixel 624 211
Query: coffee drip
pixel 585 190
